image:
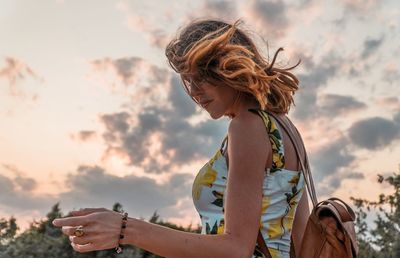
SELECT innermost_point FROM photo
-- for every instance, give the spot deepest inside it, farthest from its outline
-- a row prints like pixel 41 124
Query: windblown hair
pixel 220 53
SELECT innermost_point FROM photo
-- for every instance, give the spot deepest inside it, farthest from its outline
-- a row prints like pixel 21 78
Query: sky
pixel 91 113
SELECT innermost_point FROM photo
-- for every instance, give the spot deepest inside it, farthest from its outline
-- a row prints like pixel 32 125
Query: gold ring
pixel 79 231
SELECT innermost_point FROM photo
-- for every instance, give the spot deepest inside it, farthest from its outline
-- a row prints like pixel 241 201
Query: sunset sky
pixel 91 114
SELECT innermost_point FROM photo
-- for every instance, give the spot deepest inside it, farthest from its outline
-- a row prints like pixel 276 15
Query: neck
pixel 242 106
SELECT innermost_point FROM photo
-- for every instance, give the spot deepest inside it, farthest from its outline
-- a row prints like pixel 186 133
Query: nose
pixel 194 87
pixel 197 96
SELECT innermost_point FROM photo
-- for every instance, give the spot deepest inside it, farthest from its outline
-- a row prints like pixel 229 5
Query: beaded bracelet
pixel 118 249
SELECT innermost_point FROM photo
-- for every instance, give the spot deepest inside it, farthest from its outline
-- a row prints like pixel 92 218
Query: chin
pixel 216 116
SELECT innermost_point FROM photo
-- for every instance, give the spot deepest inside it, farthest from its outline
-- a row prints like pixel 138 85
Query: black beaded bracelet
pixel 124 221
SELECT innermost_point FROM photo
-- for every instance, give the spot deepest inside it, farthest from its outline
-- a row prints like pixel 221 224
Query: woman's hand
pixel 101 229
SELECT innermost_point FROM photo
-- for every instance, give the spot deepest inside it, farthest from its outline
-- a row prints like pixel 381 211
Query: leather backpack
pixel 329 232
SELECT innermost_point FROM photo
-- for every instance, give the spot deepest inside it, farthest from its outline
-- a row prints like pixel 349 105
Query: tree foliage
pixel 42 239
pixel 384 239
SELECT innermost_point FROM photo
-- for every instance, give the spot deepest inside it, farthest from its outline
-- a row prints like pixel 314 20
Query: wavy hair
pixel 218 52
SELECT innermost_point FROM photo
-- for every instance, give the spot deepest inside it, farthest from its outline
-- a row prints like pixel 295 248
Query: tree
pixel 386 234
pixel 8 229
pixel 42 239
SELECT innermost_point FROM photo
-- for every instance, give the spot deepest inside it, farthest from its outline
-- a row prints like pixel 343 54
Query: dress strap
pixel 224 145
pixel 275 137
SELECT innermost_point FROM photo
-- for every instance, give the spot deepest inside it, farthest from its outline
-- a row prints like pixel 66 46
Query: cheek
pixel 228 98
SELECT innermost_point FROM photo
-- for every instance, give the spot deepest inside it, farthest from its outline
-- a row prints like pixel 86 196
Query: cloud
pixel 117 123
pixel 333 163
pixel 157 31
pixel 311 102
pixel 374 133
pixel 180 100
pixel 16 195
pixel 355 175
pixel 392 103
pixel 92 186
pixel 360 6
pixel 26 183
pixel 332 105
pixel 154 30
pixel 220 9
pixel 331 158
pixel 161 138
pixel 84 135
pixel 270 17
pixel 312 82
pixel 371 46
pixel 333 182
pixel 16 71
pixel 396 118
pixel 20 181
pixel 133 77
pixel 12 168
pixel 126 68
pixel 159 134
pixel 391 73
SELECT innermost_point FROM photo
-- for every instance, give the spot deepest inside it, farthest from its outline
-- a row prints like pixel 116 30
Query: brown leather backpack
pixel 329 232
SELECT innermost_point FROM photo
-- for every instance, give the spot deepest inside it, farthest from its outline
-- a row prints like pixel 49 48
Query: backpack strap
pixel 345 212
pixel 298 144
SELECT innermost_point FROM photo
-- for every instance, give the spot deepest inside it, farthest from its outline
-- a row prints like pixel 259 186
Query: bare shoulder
pixel 247 139
pixel 246 124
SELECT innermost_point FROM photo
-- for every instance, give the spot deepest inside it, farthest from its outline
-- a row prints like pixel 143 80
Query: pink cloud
pixel 361 5
pixel 392 103
pixel 84 135
pixel 15 71
pixel 153 31
pixel 126 69
pixel 270 18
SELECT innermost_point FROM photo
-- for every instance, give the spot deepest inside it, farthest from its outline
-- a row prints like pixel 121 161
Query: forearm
pixel 173 243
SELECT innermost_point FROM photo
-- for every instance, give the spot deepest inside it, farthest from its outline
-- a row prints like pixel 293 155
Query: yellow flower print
pixel 273 126
pixel 216 156
pixel 275 228
pixel 294 180
pixel 278 160
pixel 205 177
pixel 288 220
pixel 221 227
pixel 265 203
pixel 274 253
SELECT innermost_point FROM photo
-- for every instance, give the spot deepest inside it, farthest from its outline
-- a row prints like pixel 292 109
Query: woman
pixel 252 182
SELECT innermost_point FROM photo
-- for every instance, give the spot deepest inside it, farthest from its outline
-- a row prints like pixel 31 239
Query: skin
pixel 243 195
pixel 223 100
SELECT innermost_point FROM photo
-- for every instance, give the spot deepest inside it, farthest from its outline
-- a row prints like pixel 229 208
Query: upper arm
pixel 248 151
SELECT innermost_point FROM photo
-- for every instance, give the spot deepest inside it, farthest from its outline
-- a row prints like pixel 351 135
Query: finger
pixel 70 231
pixel 83 240
pixel 71 221
pixel 83 248
pixel 86 211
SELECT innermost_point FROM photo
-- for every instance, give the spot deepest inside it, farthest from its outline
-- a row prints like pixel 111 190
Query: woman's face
pixel 217 100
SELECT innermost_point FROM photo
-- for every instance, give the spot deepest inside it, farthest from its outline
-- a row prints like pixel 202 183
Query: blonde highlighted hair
pixel 221 53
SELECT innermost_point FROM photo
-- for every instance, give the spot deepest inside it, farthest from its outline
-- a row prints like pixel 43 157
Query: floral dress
pixel 282 190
